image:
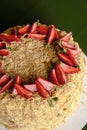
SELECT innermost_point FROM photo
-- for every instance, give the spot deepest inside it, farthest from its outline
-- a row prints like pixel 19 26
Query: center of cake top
pixel 29 59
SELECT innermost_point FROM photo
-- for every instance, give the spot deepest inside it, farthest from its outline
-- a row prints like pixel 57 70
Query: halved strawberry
pixel 41 90
pixel 46 84
pixel 24 29
pixel 22 91
pixel 31 87
pixel 61 76
pixel 36 36
pixel 33 28
pixel 18 80
pixel 67 45
pixel 4 79
pixel 42 29
pixel 65 59
pixel 4 52
pixel 8 37
pixel 67 37
pixel 69 69
pixel 53 77
pixel 1 45
pixel 76 52
pixel 7 86
pixel 14 91
pixel 71 56
pixel 52 35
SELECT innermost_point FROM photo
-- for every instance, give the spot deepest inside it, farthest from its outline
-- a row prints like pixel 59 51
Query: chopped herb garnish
pixel 13 96
pixel 50 102
pixel 55 98
pixel 47 46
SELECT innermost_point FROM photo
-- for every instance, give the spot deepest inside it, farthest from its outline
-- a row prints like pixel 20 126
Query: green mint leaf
pixel 50 102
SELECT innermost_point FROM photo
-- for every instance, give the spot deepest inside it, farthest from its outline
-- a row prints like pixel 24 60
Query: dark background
pixel 64 14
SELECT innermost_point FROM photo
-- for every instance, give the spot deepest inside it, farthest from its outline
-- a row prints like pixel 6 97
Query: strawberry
pixel 31 87
pixel 7 86
pixel 72 57
pixel 46 84
pixel 69 69
pixel 8 37
pixel 33 28
pixel 4 79
pixel 4 52
pixel 24 29
pixel 42 29
pixel 52 35
pixel 14 91
pixel 66 38
pixel 22 91
pixel 67 45
pixel 18 80
pixel 53 77
pixel 61 76
pixel 41 90
pixel 65 59
pixel 36 36
pixel 76 52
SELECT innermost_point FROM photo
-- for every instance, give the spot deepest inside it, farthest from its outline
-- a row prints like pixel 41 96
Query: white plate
pixel 78 119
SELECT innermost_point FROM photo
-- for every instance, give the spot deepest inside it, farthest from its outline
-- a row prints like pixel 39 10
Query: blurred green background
pixel 64 14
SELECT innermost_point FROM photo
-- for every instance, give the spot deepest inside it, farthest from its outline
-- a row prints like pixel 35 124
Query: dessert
pixel 41 72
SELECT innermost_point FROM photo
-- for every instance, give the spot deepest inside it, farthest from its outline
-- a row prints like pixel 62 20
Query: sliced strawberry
pixel 42 29
pixel 61 76
pixel 67 37
pixel 4 79
pixel 67 45
pixel 22 91
pixel 52 35
pixel 65 59
pixel 18 80
pixel 24 29
pixel 76 52
pixel 14 91
pixel 46 84
pixel 72 57
pixel 36 36
pixel 33 28
pixel 4 52
pixel 41 90
pixel 31 87
pixel 1 45
pixel 8 37
pixel 7 86
pixel 53 77
pixel 69 69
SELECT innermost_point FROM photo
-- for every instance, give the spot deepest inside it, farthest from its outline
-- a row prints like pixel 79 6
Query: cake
pixel 41 72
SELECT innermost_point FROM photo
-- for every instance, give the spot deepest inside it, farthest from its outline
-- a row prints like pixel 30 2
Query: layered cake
pixel 41 73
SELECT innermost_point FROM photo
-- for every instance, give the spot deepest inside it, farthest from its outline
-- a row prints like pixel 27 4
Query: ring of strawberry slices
pixel 58 76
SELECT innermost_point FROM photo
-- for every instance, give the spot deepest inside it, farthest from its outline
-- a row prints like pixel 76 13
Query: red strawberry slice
pixel 7 86
pixel 4 79
pixel 52 35
pixel 36 36
pixel 53 77
pixel 31 87
pixel 46 84
pixel 61 76
pixel 72 57
pixel 69 69
pixel 67 45
pixel 76 52
pixel 41 90
pixel 18 80
pixel 4 52
pixel 65 59
pixel 24 29
pixel 67 37
pixel 33 28
pixel 1 45
pixel 42 29
pixel 22 91
pixel 8 37
pixel 14 91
